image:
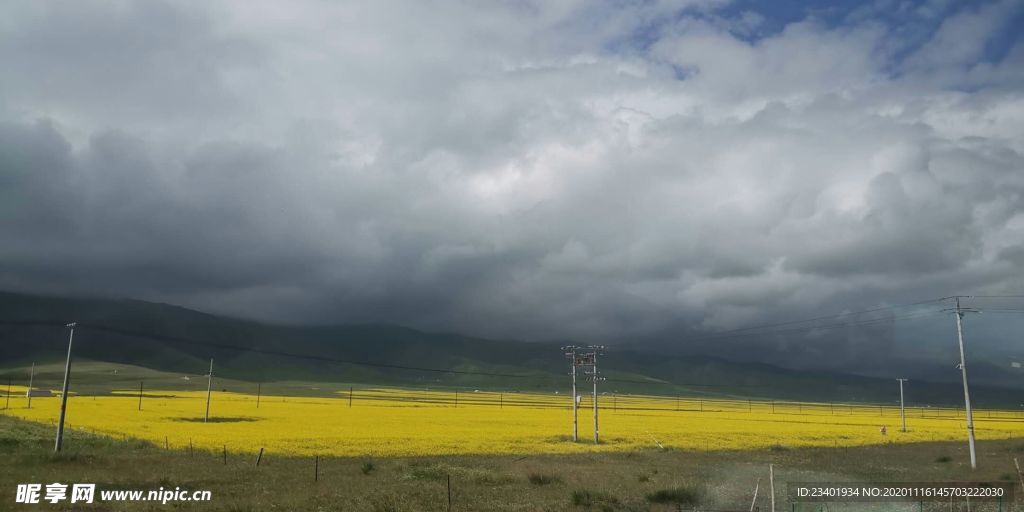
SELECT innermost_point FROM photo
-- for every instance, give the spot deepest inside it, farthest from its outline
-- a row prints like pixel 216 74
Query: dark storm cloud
pixel 507 170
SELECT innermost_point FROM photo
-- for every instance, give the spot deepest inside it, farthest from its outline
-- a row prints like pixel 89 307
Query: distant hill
pixel 171 338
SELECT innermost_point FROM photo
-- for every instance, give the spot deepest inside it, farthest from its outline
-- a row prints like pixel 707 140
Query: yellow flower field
pixel 388 422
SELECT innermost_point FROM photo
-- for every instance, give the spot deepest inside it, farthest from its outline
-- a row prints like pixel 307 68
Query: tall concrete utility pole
pixel 571 354
pixel 596 438
pixel 209 389
pixel 587 359
pixel 31 377
pixel 967 395
pixel 590 359
pixel 64 391
pixel 903 416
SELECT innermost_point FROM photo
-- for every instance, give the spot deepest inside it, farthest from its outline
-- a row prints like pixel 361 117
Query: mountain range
pixel 172 338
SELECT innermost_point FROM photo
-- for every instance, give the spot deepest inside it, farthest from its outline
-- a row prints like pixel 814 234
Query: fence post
pixel 316 469
pixel 259 457
pixel 449 492
pixel 225 455
pixel 1020 476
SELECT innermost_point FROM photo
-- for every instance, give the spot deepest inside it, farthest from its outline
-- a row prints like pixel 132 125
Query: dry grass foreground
pixel 645 480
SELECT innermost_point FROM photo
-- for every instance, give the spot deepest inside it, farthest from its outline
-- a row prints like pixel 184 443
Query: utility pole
pixel 257 395
pixel 595 378
pixel 903 416
pixel 589 358
pixel 31 377
pixel 963 371
pixel 140 395
pixel 586 358
pixel 571 354
pixel 64 392
pixel 209 389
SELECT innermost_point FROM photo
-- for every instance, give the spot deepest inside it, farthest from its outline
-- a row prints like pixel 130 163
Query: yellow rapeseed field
pixel 388 422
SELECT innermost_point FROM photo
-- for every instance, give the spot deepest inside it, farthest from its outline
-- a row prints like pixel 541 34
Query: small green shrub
pixel 678 496
pixel 587 499
pixel 367 467
pixel 542 479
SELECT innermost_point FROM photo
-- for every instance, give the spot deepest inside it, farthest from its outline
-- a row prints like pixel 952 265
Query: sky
pixel 596 170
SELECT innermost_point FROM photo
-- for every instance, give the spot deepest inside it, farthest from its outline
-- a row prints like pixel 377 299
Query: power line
pixel 224 346
pixel 728 334
pixel 835 315
pixel 859 323
pixel 758 330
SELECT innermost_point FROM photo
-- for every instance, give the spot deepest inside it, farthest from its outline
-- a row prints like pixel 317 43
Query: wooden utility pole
pixel 140 395
pixel 209 390
pixel 257 395
pixel 64 392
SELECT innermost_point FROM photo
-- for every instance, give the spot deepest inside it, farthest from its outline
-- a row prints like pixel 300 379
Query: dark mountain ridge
pixel 173 338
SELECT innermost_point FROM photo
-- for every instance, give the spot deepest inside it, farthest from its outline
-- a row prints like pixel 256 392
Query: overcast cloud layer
pixel 530 169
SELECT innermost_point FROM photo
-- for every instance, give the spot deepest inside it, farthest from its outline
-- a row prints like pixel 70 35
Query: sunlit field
pixel 401 422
